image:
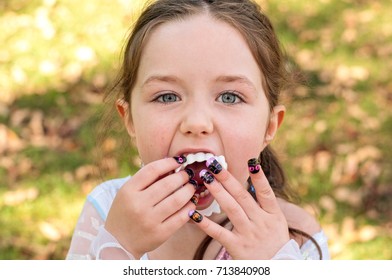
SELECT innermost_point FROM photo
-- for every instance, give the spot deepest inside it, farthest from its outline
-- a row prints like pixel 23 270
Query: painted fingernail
pixel 195 199
pixel 206 176
pixel 190 172
pixel 195 216
pixel 180 159
pixel 254 166
pixel 213 165
pixel 194 183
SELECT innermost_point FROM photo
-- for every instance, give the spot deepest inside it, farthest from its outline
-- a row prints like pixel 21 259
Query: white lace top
pixel 90 240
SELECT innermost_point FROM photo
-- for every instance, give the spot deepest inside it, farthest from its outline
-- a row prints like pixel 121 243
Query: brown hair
pixel 245 16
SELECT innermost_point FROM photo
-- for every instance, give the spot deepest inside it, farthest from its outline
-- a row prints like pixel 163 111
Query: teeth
pixel 205 193
pixel 200 157
pixel 213 208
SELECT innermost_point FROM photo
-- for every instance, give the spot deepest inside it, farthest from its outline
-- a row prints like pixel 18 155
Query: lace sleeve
pixel 91 240
pixel 292 251
pixel 85 231
pixel 308 251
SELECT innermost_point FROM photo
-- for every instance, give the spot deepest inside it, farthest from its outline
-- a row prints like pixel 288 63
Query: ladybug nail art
pixel 180 159
pixel 254 166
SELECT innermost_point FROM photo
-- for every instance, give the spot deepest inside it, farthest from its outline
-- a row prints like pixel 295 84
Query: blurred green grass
pixel 58 57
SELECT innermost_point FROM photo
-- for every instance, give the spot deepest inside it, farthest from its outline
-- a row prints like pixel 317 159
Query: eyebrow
pixel 235 78
pixel 223 78
pixel 159 78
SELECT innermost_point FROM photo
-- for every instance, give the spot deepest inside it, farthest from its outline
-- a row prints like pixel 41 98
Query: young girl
pixel 199 96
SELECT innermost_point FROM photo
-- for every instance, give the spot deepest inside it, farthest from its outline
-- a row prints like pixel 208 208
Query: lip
pixel 205 202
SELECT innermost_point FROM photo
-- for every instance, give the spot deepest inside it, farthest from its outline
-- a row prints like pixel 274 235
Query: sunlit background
pixel 57 57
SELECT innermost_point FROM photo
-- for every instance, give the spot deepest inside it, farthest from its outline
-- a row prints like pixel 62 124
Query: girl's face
pixel 200 89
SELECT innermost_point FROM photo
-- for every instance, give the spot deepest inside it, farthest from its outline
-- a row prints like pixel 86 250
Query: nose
pixel 197 120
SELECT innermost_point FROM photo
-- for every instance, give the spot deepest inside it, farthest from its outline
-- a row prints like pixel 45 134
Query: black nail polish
pixel 190 172
pixel 180 159
pixel 195 216
pixel 194 183
pixel 254 166
pixel 195 199
pixel 213 165
pixel 206 176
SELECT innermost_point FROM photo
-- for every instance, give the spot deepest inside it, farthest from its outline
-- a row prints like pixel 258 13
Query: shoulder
pixel 299 218
pixel 101 197
pixel 108 188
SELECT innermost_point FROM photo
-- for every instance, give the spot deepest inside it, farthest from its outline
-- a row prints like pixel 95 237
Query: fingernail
pixel 190 172
pixel 195 216
pixel 253 166
pixel 206 176
pixel 194 183
pixel 180 159
pixel 195 199
pixel 213 165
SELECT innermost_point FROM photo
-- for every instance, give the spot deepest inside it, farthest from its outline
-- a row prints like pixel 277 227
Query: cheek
pixel 244 143
pixel 152 140
pixel 239 170
pixel 246 137
pixel 153 130
pixel 238 154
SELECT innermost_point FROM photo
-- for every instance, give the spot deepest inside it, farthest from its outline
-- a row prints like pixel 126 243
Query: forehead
pixel 198 44
pixel 197 34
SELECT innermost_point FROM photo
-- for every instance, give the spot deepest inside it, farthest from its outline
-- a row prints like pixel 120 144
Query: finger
pixel 222 235
pixel 165 186
pixel 227 202
pixel 151 172
pixel 264 193
pixel 236 189
pixel 174 202
pixel 178 219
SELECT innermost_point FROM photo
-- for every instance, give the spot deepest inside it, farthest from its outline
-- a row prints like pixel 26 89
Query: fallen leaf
pixel 9 140
pixel 49 231
pixel 367 233
pixel 13 198
pixel 328 203
pixel 353 198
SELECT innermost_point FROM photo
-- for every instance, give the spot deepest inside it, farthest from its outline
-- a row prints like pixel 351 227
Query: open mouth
pixel 196 163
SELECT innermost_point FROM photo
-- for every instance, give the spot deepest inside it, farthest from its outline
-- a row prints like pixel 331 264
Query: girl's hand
pixel 259 228
pixel 150 207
